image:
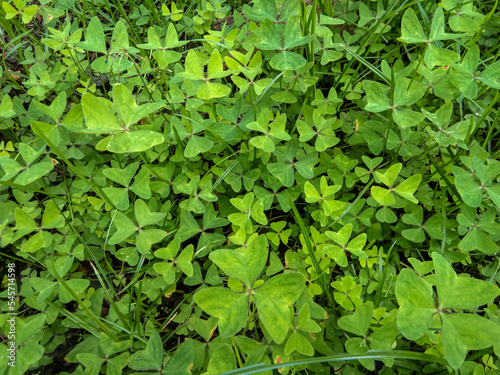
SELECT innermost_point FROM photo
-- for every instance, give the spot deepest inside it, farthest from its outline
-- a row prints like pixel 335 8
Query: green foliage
pixel 210 187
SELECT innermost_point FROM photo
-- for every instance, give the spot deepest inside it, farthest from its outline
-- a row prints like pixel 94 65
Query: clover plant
pixel 265 186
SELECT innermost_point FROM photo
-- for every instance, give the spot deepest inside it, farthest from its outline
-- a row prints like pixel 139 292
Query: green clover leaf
pixel 325 196
pixel 418 309
pixel 406 189
pixel 341 238
pixel 245 264
pixel 170 253
pixel 272 299
pixel 248 210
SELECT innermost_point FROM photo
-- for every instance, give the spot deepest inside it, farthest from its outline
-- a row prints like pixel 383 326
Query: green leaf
pixel 383 196
pixel 404 96
pixel 376 96
pixel 148 237
pixel 77 286
pixel 460 292
pixel 116 364
pixel 23 220
pixel 411 28
pixel 210 90
pixel 205 328
pixel 28 13
pixel 284 97
pixel 390 175
pixel 468 188
pixel 167 270
pixel 56 108
pixel 437 27
pixel 193 66
pixel 435 56
pixel 270 38
pixel 305 166
pixel 264 142
pixel 462 332
pixel 74 118
pixel 34 172
pixel 349 292
pixel 441 118
pixel 144 216
pixel 29 154
pixel 491 76
pixel 386 215
pixel 406 118
pixel 94 37
pixel 105 65
pixel 494 194
pixel 283 172
pixel 153 40
pixel 257 213
pixel 293 34
pixel 414 235
pixel 287 60
pixel 119 40
pixel 476 239
pixel 215 69
pixel 275 264
pixel 33 325
pixel 184 260
pixel 297 342
pixel 189 227
pixel 137 141
pixel 36 242
pixel 304 321
pixel 6 107
pixel 454 348
pixel 407 188
pixel 356 246
pixel 10 11
pixel 119 197
pixel 244 264
pixel 356 345
pixel 445 276
pixel 337 254
pixel 49 130
pixel 165 58
pixel 172 39
pixel 169 252
pixel 261 11
pixel 10 167
pixel 468 293
pixel 475 331
pixel 274 299
pixel 197 145
pixel 125 226
pixel 127 254
pixel 123 176
pixel 99 115
pixel 125 103
pixel 416 304
pixel 144 242
pixel 230 307
pixel 221 360
pixel 342 236
pixel 61 266
pixel 151 358
pixel 140 187
pixel 182 361
pixel 52 217
pixel 359 322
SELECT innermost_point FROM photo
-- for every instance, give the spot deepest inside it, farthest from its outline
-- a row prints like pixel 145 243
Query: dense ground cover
pixel 273 187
